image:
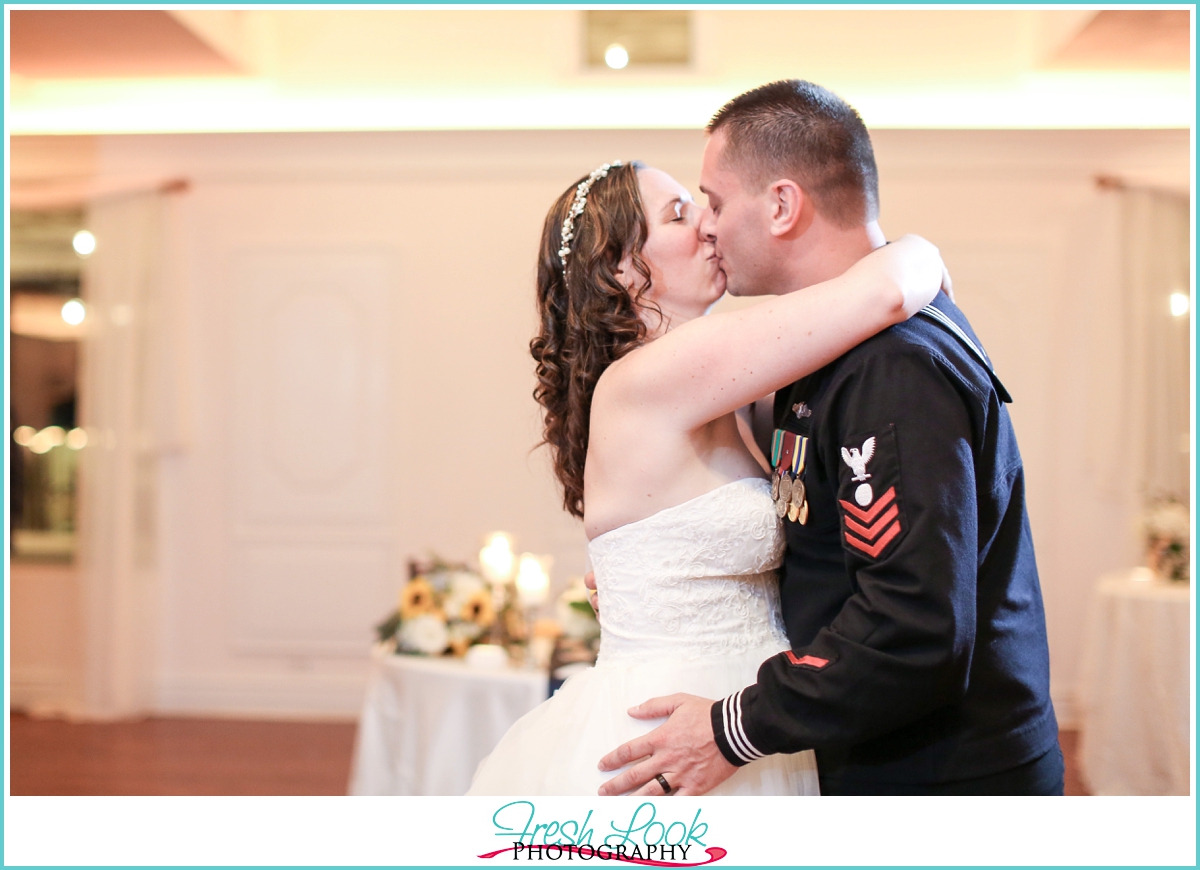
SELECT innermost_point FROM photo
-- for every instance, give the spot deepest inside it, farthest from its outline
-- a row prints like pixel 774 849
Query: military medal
pixel 777 449
pixel 777 477
pixel 785 489
pixel 799 501
pixel 782 490
pixel 785 496
pixel 788 453
pixel 798 497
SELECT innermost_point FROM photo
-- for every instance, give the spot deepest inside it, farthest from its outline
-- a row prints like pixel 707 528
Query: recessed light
pixel 616 56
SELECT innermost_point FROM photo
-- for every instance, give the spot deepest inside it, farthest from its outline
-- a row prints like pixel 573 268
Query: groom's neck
pixel 826 251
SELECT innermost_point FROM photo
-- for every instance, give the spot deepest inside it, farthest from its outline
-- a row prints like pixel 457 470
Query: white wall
pixel 45 644
pixel 347 318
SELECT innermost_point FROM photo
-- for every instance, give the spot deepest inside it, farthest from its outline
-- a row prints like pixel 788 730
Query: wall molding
pixel 44 692
pixel 336 697
pixel 1066 707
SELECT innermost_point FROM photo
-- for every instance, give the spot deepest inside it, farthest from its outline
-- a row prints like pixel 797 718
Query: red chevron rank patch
pixel 869 498
pixel 875 528
pixel 809 661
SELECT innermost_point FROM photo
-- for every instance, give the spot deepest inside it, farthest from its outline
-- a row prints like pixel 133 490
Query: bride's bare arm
pixel 745 424
pixel 714 365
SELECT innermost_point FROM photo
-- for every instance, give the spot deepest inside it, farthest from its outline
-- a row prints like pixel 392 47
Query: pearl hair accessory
pixel 581 192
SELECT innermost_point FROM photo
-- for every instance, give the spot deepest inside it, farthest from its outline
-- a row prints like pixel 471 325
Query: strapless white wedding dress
pixel 689 602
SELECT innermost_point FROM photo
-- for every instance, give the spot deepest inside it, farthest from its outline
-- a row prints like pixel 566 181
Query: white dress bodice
pixel 692 581
pixel 689 602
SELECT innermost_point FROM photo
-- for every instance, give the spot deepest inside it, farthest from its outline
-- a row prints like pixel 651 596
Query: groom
pixel 910 593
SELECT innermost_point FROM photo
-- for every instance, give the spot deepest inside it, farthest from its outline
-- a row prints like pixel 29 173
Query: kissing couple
pixel 812 559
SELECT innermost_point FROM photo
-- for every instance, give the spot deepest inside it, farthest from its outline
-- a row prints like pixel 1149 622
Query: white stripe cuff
pixel 731 715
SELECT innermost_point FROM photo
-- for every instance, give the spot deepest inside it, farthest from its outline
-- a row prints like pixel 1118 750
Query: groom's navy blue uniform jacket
pixel 911 595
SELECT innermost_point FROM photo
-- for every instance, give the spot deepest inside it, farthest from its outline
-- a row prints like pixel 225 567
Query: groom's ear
pixel 790 207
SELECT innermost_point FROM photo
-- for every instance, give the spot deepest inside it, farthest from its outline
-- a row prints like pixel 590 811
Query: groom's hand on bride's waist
pixel 682 750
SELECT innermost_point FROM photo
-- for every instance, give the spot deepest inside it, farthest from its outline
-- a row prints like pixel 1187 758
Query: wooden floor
pixel 180 757
pixel 1074 784
pixel 211 757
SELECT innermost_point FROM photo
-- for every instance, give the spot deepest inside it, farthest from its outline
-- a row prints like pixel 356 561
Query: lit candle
pixel 496 558
pixel 533 579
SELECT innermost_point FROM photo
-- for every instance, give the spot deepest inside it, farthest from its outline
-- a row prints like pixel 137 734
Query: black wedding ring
pixel 662 780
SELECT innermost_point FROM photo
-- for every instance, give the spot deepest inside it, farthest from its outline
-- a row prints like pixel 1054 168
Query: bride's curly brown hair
pixel 588 316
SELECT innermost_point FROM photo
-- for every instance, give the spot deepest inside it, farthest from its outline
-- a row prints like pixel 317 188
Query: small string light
pixel 84 243
pixel 1180 304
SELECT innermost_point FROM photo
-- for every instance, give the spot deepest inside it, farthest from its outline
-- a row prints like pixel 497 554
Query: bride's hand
pixel 947 284
pixel 589 580
pixel 914 268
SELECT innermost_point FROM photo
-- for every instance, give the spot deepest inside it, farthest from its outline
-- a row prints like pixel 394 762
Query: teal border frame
pixel 4 455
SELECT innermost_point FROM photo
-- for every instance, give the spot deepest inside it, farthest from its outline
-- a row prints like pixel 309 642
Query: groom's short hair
pixel 797 130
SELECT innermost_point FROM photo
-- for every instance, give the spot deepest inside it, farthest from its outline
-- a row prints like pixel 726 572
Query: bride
pixel 639 392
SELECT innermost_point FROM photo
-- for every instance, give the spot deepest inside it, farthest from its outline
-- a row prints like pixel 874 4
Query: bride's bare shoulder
pixel 656 373
pixel 620 378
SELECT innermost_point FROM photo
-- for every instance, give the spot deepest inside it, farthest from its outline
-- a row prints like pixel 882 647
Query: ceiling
pixel 72 44
pixel 1129 39
pixel 196 70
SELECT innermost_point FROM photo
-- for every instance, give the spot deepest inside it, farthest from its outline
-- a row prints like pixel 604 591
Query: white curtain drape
pixel 1133 687
pixel 1156 263
pixel 131 377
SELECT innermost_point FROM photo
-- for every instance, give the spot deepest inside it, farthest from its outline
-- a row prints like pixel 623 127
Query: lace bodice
pixel 695 580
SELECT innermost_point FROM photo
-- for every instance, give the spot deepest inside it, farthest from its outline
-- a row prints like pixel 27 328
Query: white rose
pixel 439 580
pixel 1169 520
pixel 464 631
pixel 424 634
pixel 461 586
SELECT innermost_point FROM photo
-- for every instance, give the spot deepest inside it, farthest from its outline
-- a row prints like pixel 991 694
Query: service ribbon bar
pixel 792 452
pixel 798 455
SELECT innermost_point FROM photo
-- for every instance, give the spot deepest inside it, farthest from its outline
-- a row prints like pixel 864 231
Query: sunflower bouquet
pixel 443 607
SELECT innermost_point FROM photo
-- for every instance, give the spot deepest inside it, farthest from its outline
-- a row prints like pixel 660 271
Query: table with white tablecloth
pixel 428 722
pixel 1135 687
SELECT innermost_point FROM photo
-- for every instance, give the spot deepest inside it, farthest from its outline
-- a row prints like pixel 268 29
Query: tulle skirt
pixel 554 749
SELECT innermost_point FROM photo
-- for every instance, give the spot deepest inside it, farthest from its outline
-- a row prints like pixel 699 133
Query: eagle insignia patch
pixel 869 500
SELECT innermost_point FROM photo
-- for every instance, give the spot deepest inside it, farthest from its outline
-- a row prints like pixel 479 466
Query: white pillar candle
pixel 533 579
